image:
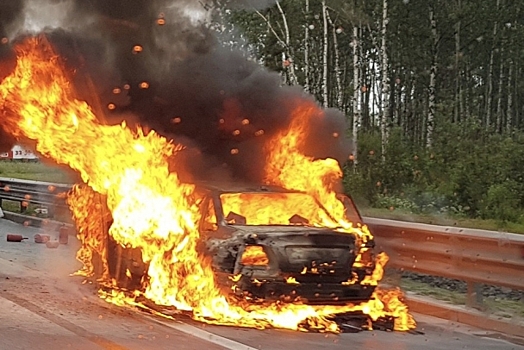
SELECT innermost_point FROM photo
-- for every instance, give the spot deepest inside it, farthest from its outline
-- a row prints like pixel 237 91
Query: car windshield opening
pixel 272 208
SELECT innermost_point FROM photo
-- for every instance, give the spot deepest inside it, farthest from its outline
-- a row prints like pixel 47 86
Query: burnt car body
pixel 287 261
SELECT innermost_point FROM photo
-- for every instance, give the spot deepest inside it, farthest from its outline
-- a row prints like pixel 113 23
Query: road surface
pixel 43 307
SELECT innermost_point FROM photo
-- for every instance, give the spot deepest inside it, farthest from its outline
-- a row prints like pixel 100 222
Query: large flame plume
pixel 288 167
pixel 152 209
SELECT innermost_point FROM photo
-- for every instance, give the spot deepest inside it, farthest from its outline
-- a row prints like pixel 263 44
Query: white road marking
pixel 201 334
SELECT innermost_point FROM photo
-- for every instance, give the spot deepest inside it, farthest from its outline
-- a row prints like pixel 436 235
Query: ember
pixel 153 211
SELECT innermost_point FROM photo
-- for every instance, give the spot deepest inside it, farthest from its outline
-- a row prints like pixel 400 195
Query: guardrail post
pixel 51 210
pixel 474 296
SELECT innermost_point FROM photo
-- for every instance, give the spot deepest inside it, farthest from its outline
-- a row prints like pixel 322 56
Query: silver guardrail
pixel 46 195
pixel 474 256
pixel 489 257
pixel 470 255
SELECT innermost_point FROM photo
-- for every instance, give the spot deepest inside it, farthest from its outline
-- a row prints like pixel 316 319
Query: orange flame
pixel 288 167
pixel 254 255
pixel 151 209
pixel 285 162
pixel 273 208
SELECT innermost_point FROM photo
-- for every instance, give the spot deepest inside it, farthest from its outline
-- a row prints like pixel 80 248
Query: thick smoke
pixel 10 12
pixel 157 64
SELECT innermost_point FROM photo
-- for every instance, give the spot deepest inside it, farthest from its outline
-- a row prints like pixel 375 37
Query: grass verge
pixel 398 214
pixel 61 215
pixel 36 171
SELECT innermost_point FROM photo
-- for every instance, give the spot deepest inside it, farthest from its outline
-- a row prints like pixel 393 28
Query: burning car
pixel 263 246
pixel 154 237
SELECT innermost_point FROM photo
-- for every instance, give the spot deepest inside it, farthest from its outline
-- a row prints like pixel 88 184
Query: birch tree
pixel 432 75
pixel 287 58
pixel 489 93
pixel 498 120
pixel 283 39
pixel 356 92
pixel 385 80
pixel 509 108
pixel 458 87
pixel 306 49
pixel 336 64
pixel 325 89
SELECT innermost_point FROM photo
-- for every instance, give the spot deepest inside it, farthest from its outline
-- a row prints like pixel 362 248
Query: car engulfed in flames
pixel 293 257
pixel 262 247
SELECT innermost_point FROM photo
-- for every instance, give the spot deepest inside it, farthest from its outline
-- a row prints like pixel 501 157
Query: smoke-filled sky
pixel 156 63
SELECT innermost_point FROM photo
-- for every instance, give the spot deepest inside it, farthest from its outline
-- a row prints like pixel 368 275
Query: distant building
pixel 18 152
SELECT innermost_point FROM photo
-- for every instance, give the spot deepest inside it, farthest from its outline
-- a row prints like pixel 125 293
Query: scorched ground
pixel 134 174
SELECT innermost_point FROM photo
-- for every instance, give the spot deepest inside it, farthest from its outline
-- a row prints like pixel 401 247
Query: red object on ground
pixel 53 244
pixel 15 238
pixel 42 238
pixel 63 235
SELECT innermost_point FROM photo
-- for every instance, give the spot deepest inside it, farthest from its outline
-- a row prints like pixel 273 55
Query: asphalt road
pixel 43 307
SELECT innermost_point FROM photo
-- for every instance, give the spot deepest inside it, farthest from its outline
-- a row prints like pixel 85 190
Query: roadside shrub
pixel 358 187
pixel 395 202
pixel 502 202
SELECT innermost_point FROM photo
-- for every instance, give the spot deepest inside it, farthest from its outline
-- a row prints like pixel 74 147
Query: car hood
pixel 283 229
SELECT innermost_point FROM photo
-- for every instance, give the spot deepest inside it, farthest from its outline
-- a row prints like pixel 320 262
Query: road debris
pixel 15 238
pixel 63 235
pixel 52 244
pixel 42 238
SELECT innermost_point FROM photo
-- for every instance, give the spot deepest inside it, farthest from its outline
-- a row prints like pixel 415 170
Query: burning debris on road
pixel 148 180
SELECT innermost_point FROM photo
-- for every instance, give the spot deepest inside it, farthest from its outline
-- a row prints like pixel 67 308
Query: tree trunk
pixel 290 65
pixel 385 81
pixel 364 81
pixel 498 117
pixel 398 99
pixel 490 72
pixel 325 57
pixel 509 108
pixel 356 93
pixel 338 79
pixel 432 78
pixel 307 87
pixel 467 103
pixel 516 116
pixel 458 89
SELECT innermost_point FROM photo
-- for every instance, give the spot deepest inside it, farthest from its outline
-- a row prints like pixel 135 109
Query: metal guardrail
pixel 47 195
pixel 474 256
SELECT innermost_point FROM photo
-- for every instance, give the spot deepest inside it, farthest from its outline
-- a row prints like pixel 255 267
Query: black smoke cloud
pixel 10 12
pixel 157 65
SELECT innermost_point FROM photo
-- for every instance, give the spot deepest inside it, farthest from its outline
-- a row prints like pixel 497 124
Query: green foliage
pixel 502 202
pixel 37 171
pixel 470 173
pixel 394 202
pixel 474 167
pixel 363 182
